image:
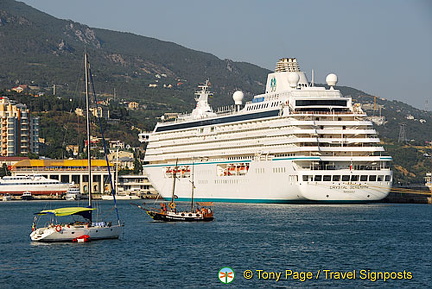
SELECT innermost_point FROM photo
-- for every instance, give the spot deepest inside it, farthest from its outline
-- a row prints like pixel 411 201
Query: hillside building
pixel 19 130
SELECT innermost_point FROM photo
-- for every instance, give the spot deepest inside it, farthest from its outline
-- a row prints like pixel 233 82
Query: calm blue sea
pixel 311 246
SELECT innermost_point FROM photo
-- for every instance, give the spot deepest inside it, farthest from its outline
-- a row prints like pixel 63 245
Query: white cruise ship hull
pixel 294 143
pixel 269 182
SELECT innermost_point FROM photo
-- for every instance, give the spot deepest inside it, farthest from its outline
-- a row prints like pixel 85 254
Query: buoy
pixel 82 239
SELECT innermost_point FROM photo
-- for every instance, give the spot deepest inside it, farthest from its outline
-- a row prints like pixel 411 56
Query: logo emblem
pixel 273 84
pixel 226 275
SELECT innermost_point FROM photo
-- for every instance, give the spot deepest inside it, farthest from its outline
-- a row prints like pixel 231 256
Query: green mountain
pixel 37 48
pixel 43 51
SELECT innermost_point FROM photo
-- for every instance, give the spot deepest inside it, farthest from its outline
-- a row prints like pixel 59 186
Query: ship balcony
pixel 355 158
pixel 339 149
pixel 315 122
pixel 347 131
pixel 316 132
pixel 348 140
pixel 317 140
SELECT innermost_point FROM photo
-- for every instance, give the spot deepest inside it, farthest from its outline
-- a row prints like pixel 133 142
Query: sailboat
pixel 86 229
pixel 168 211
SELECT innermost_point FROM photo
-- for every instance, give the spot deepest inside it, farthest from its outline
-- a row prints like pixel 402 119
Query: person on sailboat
pixel 163 208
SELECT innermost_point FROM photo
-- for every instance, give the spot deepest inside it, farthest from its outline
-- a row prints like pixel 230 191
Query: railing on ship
pixel 221 111
pixel 232 109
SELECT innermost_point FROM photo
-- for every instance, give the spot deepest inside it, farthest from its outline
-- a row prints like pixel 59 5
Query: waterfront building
pixel 10 161
pixel 136 183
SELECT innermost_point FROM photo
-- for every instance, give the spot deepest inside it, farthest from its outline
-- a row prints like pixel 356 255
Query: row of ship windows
pixel 284 155
pixel 240 158
pixel 298 135
pixel 230 181
pixel 347 178
pixel 258 106
pixel 263 105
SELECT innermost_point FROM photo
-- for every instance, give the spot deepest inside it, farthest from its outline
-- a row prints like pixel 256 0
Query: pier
pixel 418 194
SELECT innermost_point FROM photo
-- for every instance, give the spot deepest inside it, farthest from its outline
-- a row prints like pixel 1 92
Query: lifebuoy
pixel 172 205
pixel 58 228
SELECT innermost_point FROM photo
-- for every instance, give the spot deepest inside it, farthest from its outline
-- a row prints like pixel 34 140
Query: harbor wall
pixel 417 194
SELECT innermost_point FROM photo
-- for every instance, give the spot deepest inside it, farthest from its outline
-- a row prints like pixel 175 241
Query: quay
pixel 76 172
pixel 414 194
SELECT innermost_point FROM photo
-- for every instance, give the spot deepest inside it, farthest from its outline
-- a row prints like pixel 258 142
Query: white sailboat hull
pixel 66 233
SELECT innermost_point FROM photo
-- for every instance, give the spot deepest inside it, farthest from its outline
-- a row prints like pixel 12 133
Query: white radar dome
pixel 293 79
pixel 238 97
pixel 331 79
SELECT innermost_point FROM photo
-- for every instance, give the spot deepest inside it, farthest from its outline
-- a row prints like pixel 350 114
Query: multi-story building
pixel 19 130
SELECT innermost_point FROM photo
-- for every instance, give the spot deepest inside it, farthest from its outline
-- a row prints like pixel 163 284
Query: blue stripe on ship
pixel 219 120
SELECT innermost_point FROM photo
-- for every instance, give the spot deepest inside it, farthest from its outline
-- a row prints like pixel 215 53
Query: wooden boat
pixel 168 211
pixel 170 214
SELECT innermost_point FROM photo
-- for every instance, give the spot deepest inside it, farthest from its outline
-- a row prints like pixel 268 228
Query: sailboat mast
pixel 174 181
pixel 87 99
pixel 193 186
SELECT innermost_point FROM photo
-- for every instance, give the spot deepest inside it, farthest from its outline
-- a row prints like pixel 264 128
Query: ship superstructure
pixel 295 142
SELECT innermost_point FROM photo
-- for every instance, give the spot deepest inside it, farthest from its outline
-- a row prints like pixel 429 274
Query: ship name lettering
pixel 358 187
pixel 338 187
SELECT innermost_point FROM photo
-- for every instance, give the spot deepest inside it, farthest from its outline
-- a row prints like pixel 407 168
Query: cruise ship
pixel 295 143
pixel 33 184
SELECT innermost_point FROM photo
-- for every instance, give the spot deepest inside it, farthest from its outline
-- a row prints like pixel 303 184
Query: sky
pixel 382 47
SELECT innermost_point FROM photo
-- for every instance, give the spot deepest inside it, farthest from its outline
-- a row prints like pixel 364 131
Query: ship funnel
pixel 287 65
